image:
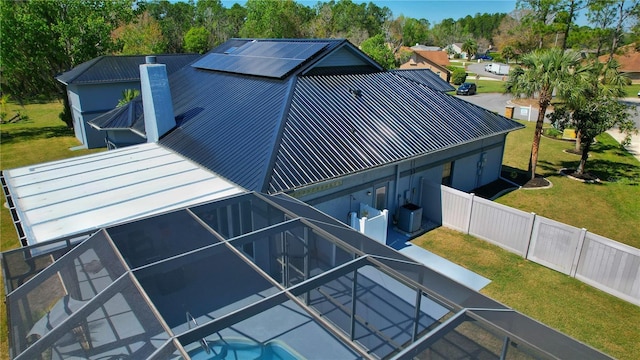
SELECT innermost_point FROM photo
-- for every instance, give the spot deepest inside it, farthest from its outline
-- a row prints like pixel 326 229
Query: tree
pixel 512 32
pixel 591 104
pixel 197 40
pixel 540 17
pixel 609 18
pixel 415 32
pixel 470 47
pixel 127 96
pixel 378 50
pixel 275 19
pixel 567 16
pixel 41 39
pixel 459 76
pixel 211 15
pixel 175 19
pixel 235 19
pixel 508 53
pixel 142 36
pixel 541 73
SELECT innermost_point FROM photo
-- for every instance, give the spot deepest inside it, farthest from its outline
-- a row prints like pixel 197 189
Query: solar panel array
pixel 274 59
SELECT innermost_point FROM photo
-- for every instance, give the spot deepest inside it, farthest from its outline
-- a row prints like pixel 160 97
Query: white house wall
pixel 340 196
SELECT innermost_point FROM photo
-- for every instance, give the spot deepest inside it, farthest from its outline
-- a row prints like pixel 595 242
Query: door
pixel 380 197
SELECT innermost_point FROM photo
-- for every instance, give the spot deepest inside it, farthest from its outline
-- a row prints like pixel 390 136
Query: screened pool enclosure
pixel 252 277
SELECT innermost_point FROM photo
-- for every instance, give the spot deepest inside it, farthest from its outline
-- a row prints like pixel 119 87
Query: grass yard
pixel 579 310
pixel 42 137
pixel 632 90
pixel 484 86
pixel 610 208
pixel 488 86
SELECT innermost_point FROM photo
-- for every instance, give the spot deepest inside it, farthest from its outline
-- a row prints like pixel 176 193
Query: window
pixel 447 172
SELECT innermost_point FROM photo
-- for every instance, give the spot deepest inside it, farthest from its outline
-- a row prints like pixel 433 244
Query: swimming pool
pixel 245 349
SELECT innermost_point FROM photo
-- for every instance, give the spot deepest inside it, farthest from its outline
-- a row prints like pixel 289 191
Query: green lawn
pixel 610 209
pixel 579 310
pixel 484 86
pixel 632 90
pixel 41 137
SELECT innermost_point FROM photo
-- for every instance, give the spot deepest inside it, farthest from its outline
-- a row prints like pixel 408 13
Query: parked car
pixel 484 57
pixel 466 89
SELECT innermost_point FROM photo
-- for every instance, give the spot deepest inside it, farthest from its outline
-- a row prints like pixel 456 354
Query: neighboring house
pixel 418 47
pixel 457 49
pixel 436 61
pixel 96 86
pixel 629 60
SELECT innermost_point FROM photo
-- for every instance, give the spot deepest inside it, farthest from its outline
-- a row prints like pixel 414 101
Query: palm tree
pixel 591 105
pixel 470 47
pixel 542 72
pixel 127 96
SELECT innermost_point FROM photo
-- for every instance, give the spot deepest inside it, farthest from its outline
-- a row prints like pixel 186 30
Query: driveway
pixel 498 102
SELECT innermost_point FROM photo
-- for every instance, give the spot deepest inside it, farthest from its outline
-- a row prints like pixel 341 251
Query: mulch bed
pixel 585 177
pixel 499 186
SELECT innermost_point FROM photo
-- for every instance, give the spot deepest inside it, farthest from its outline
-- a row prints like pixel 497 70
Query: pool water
pixel 241 349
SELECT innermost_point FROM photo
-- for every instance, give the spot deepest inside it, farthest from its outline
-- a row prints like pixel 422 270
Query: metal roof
pixel 338 125
pixel 273 135
pixel 227 122
pixel 425 77
pixel 120 118
pixel 112 68
pixel 71 196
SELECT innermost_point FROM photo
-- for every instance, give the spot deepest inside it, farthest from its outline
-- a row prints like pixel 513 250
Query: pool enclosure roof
pixel 256 274
pixel 75 195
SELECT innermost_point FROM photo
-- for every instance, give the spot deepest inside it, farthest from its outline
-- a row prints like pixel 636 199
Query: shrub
pixel 459 76
pixel 553 132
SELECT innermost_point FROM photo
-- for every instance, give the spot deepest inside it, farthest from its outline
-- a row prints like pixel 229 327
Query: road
pixel 498 103
pixel 478 68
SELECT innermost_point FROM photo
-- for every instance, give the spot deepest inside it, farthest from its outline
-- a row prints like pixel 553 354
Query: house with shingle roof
pixel 629 60
pixel 434 60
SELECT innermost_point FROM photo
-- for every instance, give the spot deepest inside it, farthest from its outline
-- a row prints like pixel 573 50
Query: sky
pixel 433 10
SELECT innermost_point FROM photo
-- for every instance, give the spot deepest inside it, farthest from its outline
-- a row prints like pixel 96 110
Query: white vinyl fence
pixel 371 222
pixel 600 262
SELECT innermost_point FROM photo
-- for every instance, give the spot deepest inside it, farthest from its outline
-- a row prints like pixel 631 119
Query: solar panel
pixel 273 59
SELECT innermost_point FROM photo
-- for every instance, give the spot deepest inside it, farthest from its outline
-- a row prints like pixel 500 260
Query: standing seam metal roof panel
pixel 339 125
pixel 227 122
pixel 106 69
pixel 425 77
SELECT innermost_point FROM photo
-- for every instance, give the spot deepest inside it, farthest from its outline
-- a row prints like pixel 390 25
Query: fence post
pixel 576 257
pixel 531 224
pixel 469 212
